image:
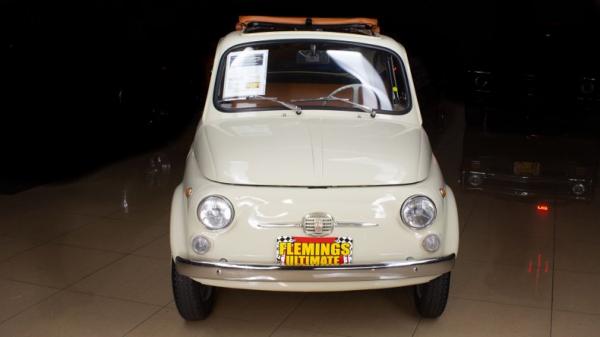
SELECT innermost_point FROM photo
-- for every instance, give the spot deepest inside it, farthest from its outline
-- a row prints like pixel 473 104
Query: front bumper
pixel 226 271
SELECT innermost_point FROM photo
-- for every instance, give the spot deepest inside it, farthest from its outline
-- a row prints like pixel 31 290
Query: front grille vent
pixel 318 224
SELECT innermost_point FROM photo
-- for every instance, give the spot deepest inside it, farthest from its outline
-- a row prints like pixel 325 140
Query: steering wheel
pixel 354 87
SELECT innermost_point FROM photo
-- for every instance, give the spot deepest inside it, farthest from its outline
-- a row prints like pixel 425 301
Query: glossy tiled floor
pixel 91 258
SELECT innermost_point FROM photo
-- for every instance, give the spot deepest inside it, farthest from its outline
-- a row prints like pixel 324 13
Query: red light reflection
pixel 542 207
pixel 538 266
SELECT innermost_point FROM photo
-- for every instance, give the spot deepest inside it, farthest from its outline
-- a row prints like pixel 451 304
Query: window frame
pixel 218 85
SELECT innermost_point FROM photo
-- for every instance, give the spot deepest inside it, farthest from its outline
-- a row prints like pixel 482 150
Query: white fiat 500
pixel 310 171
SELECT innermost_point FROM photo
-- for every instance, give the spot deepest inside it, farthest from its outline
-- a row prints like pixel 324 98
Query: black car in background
pixel 71 106
pixel 533 113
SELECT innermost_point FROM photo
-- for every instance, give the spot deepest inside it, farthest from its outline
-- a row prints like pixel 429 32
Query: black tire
pixel 431 297
pixel 194 300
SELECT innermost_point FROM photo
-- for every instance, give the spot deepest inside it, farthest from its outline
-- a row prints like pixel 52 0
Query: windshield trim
pixel 221 73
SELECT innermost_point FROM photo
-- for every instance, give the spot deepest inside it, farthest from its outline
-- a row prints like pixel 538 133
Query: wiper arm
pixel 290 106
pixel 362 107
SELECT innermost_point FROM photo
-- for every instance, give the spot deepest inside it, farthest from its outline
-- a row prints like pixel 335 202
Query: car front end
pixel 312 238
pixel 310 171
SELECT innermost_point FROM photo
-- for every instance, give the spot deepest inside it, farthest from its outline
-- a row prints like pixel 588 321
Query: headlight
pixel 418 211
pixel 587 86
pixel 474 179
pixel 215 212
pixel 578 189
pixel 481 80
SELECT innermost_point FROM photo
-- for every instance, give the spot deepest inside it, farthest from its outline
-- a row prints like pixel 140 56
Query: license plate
pixel 528 168
pixel 314 252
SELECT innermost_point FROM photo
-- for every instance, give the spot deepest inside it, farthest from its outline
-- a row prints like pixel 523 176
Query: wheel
pixel 431 297
pixel 194 300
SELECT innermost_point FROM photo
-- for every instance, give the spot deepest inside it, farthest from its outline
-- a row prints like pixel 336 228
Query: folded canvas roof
pixel 251 24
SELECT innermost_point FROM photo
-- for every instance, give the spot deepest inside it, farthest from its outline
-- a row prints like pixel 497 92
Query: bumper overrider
pixel 227 271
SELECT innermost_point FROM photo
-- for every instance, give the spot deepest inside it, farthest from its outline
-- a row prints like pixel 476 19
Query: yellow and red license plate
pixel 314 252
pixel 526 168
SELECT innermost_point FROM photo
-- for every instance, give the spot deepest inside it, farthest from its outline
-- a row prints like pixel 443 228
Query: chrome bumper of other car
pixel 343 273
pixel 524 186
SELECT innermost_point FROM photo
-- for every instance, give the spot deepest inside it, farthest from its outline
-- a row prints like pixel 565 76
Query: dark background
pixel 86 84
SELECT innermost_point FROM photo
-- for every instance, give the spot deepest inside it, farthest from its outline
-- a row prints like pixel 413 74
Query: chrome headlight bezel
pixel 409 202
pixel 224 201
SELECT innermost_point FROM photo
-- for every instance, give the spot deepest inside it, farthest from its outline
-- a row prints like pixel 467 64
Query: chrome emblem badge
pixel 318 224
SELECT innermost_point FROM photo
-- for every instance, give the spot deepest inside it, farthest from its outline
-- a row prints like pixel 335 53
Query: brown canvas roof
pixel 245 20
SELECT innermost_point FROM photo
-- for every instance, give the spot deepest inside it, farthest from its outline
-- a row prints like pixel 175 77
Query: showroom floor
pixel 91 258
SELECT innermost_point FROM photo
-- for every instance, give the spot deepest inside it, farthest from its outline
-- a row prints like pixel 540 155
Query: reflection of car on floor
pixel 533 118
pixel 311 171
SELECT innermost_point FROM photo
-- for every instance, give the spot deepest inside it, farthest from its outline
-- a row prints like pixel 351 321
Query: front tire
pixel 431 297
pixel 194 300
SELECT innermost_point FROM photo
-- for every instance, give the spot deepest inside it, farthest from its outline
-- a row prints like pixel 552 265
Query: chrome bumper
pixel 346 273
pixel 525 186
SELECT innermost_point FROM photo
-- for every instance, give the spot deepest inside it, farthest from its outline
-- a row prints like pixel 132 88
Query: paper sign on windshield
pixel 246 73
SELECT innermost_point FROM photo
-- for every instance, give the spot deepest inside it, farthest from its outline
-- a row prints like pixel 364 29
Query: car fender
pixel 452 223
pixel 177 223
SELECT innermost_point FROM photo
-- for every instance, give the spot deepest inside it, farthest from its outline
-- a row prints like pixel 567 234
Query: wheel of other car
pixel 194 300
pixel 431 297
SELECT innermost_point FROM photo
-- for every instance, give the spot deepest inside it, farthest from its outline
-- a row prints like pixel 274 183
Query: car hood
pixel 290 151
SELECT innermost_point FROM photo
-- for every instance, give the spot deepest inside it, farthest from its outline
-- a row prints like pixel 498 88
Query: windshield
pixel 311 75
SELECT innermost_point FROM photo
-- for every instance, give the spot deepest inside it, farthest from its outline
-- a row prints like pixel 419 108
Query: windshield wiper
pixel 290 106
pixel 362 107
